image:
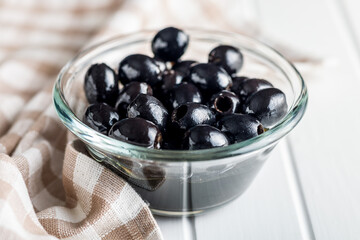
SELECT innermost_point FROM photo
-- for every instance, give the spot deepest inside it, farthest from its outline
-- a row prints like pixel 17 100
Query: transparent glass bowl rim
pixel 123 149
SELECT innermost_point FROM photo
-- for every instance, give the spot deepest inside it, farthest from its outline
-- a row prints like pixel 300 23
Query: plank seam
pixel 189 228
pixel 297 192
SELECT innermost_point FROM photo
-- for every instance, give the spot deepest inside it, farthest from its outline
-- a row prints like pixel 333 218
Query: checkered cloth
pixel 49 187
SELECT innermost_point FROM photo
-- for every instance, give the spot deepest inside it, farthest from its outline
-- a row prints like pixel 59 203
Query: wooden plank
pixel 325 145
pixel 265 211
pixel 350 14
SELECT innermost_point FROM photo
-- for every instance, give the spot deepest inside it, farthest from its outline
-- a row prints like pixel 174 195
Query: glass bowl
pixel 178 183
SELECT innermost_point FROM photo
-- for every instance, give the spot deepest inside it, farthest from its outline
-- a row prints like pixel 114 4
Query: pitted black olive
pixel 100 117
pixel 149 108
pixel 228 57
pixel 184 93
pixel 209 78
pixel 188 115
pixel 240 127
pixel 101 84
pixel 129 93
pixel 139 68
pixel 204 137
pixel 251 86
pixel 225 102
pixel 170 44
pixel 137 131
pixel 268 105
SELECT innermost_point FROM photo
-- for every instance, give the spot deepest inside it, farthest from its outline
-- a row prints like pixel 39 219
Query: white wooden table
pixel 310 186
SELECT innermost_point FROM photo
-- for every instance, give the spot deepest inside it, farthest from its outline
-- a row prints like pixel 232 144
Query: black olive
pixel 240 127
pixel 228 57
pixel 129 93
pixel 225 102
pixel 209 78
pixel 100 117
pixel 137 131
pixel 188 115
pixel 149 108
pixel 204 137
pixel 268 105
pixel 183 93
pixel 101 84
pixel 251 86
pixel 139 68
pixel 169 44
